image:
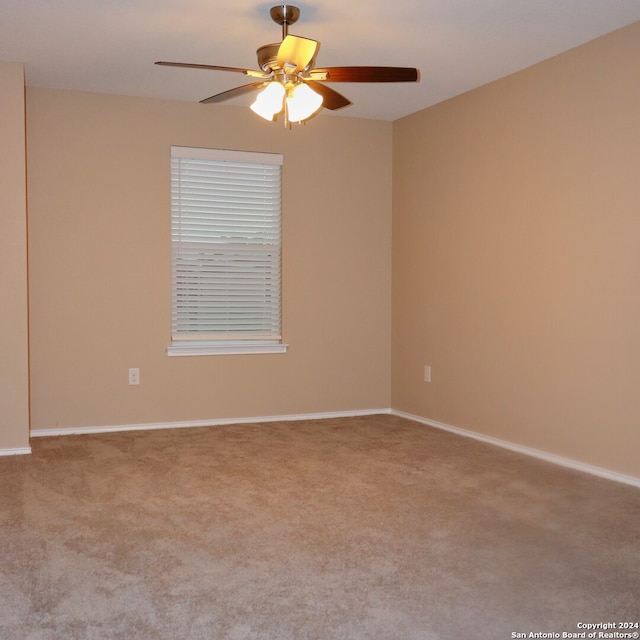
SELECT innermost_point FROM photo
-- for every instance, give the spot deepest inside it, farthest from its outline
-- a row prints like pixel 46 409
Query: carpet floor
pixel 353 528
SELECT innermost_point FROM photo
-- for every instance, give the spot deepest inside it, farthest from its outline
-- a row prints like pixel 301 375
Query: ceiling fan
pixel 290 83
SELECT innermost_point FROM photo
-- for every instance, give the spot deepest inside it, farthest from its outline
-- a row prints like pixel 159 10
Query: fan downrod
pixel 284 15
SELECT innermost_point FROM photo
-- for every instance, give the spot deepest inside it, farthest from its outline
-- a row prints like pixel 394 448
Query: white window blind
pixel 226 251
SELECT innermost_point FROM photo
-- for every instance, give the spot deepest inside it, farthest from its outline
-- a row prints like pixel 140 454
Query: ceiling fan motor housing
pixel 268 56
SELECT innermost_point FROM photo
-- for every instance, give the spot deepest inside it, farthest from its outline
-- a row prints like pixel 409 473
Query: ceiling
pixel 109 46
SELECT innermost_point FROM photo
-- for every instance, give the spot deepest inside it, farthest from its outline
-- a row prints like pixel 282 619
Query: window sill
pixel 224 350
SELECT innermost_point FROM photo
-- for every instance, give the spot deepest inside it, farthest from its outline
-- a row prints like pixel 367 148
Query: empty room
pixel 292 349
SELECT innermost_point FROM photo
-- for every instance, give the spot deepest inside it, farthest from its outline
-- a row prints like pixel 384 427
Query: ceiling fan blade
pixel 369 74
pixel 296 52
pixel 234 93
pixel 331 99
pixel 211 67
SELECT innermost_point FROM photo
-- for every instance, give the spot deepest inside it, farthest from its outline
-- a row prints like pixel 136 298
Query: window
pixel 226 252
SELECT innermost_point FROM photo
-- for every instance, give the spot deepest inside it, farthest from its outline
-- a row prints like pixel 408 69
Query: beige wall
pixel 99 258
pixel 516 257
pixel 14 371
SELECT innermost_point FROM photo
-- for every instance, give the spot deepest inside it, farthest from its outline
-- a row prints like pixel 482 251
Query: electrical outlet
pixel 134 376
pixel 427 373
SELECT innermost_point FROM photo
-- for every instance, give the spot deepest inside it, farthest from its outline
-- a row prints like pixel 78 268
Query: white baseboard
pixel 528 451
pixel 67 431
pixel 19 451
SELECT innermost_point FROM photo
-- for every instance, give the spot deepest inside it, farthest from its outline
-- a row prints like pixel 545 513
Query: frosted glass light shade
pixel 269 101
pixel 302 103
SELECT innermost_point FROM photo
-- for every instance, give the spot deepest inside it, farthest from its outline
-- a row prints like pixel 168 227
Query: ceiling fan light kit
pixel 288 82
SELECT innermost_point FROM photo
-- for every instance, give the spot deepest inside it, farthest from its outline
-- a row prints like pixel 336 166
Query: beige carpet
pixel 359 528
